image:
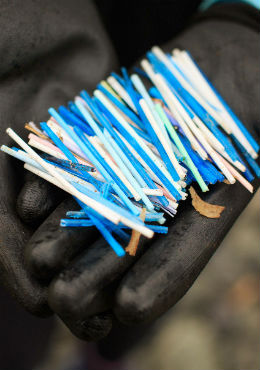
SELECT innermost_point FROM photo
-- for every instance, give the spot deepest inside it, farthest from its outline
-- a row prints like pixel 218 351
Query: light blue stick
pixel 114 154
pixel 98 165
pixel 142 91
pixel 134 172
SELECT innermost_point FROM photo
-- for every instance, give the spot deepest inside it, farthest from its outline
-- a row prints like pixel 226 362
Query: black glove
pixel 48 53
pixel 96 279
pixel 84 290
pixel 224 42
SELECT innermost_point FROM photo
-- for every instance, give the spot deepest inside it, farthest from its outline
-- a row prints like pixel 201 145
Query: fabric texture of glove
pixel 49 51
pixel 167 269
pixel 88 280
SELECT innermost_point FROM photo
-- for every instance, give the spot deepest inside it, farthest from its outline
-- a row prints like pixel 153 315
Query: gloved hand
pixel 92 278
pixel 45 59
pixel 84 291
pixel 224 43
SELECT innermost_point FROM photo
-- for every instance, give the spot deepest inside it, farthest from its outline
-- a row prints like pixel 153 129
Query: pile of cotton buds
pixel 128 153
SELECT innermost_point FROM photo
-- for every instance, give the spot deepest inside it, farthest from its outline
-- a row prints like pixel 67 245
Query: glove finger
pixel 37 199
pixel 51 247
pixel 87 285
pixel 91 329
pixel 13 274
pixel 13 236
pixel 170 266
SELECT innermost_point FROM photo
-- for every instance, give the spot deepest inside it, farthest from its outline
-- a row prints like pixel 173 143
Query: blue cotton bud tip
pixel 126 154
pixel 120 253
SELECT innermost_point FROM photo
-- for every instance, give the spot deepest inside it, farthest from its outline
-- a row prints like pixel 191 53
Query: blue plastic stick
pixel 133 160
pixel 105 118
pixel 21 155
pixel 141 89
pixel 119 79
pixel 104 115
pixel 114 154
pixel 89 150
pixel 146 158
pixel 139 146
pixel 127 111
pixel 76 214
pixel 150 217
pixel 252 163
pixel 80 173
pixel 75 111
pixel 158 229
pixel 109 170
pixel 87 147
pixel 67 164
pixel 73 120
pixel 104 231
pixel 105 189
pixel 64 222
pixel 57 141
pixel 143 92
pixel 247 134
pixel 192 102
pixel 120 152
pixel 126 160
pixel 118 209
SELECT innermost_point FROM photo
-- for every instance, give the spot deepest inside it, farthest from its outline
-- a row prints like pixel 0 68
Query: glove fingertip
pixel 63 298
pixel 131 306
pixel 92 329
pixel 37 200
pixel 39 261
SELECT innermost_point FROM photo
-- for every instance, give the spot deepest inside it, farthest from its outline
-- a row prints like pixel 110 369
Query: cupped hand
pixel 139 289
pixel 88 283
pixel 46 58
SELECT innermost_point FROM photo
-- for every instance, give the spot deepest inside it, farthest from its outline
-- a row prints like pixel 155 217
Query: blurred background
pixel 215 326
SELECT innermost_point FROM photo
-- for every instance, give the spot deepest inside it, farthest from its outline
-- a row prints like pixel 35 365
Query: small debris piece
pixel 135 237
pixel 204 208
pixel 226 182
pixel 29 128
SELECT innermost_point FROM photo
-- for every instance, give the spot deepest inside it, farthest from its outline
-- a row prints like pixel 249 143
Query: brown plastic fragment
pixel 135 237
pixel 29 128
pixel 204 208
pixel 226 182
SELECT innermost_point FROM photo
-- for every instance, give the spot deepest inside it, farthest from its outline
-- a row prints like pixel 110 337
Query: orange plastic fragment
pixel 135 237
pixel 204 208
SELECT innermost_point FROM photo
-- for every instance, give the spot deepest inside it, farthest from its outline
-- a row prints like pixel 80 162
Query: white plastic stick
pixel 142 229
pixel 207 93
pixel 153 192
pixel 46 149
pixel 101 209
pixel 114 167
pixel 208 134
pixel 168 97
pixel 132 132
pixel 161 137
pixel 162 57
pixel 121 91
